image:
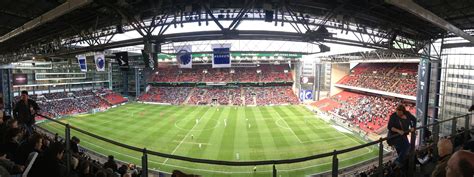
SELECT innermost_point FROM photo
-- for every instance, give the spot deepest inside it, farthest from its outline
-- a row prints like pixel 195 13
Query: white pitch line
pixel 189 132
pixel 214 171
pixel 289 128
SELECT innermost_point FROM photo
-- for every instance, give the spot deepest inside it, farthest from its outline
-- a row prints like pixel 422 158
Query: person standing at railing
pixel 25 111
pixel 400 122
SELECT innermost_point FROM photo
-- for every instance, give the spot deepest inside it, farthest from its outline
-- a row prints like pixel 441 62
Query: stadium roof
pixel 45 24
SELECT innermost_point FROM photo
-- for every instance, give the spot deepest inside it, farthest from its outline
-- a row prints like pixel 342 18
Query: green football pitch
pixel 220 133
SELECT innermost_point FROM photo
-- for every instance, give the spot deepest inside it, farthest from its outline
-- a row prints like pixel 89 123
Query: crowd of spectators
pixel 173 95
pixel 275 95
pixel 455 153
pixel 61 107
pixel 369 113
pixel 67 103
pixel 271 95
pixel 204 73
pixel 390 77
pixel 40 155
pixel 221 96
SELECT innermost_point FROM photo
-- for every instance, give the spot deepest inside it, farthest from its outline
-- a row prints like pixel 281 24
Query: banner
pixel 306 95
pixel 99 59
pixel 148 59
pixel 221 56
pixel 81 59
pixel 183 56
pixel 122 59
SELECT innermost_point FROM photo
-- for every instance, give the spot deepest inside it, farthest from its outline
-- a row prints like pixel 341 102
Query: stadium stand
pixel 390 77
pixel 204 73
pixel 16 151
pixel 173 95
pixel 274 95
pixel 368 112
pixel 237 95
pixel 75 102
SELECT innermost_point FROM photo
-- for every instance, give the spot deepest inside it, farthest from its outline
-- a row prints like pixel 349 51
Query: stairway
pixel 189 96
pixel 242 95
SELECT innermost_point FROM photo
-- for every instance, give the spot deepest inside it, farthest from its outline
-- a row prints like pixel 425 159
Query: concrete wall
pixel 338 71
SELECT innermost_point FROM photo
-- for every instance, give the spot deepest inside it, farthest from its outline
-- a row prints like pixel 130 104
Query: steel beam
pixel 61 10
pixel 415 9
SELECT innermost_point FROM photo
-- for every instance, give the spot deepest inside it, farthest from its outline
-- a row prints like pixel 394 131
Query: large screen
pixel 20 79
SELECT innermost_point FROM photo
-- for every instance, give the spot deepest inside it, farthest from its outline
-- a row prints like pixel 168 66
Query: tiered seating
pixel 218 75
pixel 370 113
pixel 270 95
pixel 67 103
pixel 221 95
pixel 114 98
pixel 173 95
pixel 390 77
pixel 110 96
pixel 269 73
pixel 60 107
pixel 207 95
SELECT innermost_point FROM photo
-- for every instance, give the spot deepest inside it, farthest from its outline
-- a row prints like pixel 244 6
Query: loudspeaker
pixel 268 15
pixel 119 29
pixel 324 48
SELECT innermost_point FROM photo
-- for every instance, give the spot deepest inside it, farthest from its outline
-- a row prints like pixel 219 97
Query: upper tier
pixel 399 78
pixel 201 73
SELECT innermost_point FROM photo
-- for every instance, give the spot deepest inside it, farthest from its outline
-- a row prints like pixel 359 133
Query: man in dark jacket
pixel 25 111
pixel 49 163
pixel 399 123
pixel 111 163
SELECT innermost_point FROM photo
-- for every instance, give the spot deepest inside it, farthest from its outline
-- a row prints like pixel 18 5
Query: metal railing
pixel 334 154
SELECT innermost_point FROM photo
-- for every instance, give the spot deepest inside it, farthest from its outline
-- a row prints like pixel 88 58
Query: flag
pixel 81 59
pixel 184 57
pixel 122 58
pixel 148 59
pixel 221 56
pixel 99 61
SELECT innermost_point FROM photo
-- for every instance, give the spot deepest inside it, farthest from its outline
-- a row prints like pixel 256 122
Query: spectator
pixel 3 130
pixel 12 142
pixel 24 111
pixel 84 169
pixel 75 146
pixel 33 144
pixel 399 123
pixel 111 163
pixel 9 165
pixel 12 123
pixel 49 163
pixel 445 148
pixel 461 164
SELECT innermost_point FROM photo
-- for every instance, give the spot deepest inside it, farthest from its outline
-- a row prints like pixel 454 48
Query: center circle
pixel 181 125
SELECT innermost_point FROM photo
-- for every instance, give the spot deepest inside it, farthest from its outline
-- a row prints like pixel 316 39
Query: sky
pixel 244 45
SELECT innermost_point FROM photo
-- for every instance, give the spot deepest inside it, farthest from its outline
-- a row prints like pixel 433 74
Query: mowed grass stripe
pixel 254 139
pixel 155 128
pixel 207 151
pixel 293 126
pixel 278 138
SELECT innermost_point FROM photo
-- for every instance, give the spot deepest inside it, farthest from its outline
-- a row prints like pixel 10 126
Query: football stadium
pixel 135 88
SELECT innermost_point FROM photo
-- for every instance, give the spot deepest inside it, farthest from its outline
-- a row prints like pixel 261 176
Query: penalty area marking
pixel 189 132
pixel 215 171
